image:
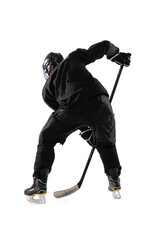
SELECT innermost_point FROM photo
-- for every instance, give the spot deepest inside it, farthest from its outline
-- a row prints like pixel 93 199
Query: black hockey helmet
pixel 51 60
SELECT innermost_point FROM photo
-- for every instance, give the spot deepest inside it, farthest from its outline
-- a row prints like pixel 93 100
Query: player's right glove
pixel 122 59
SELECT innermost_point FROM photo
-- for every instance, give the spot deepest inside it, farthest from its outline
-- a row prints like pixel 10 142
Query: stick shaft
pixel 116 83
pixel 86 167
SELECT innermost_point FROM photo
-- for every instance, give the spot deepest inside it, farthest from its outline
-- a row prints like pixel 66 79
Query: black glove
pixel 122 59
pixel 87 135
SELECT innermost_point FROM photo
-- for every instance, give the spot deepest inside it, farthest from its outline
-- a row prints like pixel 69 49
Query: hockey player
pixel 80 102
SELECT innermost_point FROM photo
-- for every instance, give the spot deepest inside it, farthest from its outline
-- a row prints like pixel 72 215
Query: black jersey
pixel 71 84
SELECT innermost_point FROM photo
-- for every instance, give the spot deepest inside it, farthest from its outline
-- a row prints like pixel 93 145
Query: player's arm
pixel 101 49
pixel 97 51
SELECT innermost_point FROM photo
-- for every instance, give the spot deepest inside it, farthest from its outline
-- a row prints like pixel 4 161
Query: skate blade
pixel 40 200
pixel 116 194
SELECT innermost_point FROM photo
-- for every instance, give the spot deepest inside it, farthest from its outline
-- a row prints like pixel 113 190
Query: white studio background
pixel 29 31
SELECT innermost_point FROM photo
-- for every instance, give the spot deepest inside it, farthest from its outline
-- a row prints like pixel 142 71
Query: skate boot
pixel 36 193
pixel 114 183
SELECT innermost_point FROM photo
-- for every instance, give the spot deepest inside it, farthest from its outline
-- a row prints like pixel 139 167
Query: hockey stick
pixel 63 193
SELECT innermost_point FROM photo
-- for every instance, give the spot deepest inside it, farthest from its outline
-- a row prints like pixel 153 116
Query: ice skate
pixel 114 183
pixel 36 193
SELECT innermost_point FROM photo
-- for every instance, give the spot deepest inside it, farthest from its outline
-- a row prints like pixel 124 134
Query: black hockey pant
pixel 96 113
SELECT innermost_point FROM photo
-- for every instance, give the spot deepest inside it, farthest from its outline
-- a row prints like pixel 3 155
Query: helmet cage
pixel 52 60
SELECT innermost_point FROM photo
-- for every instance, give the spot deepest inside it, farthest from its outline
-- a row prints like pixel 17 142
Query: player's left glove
pixel 122 59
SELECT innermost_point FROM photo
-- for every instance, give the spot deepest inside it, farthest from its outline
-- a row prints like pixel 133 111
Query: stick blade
pixel 64 193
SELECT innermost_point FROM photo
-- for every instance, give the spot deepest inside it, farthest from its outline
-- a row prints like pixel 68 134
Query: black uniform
pixel 78 100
